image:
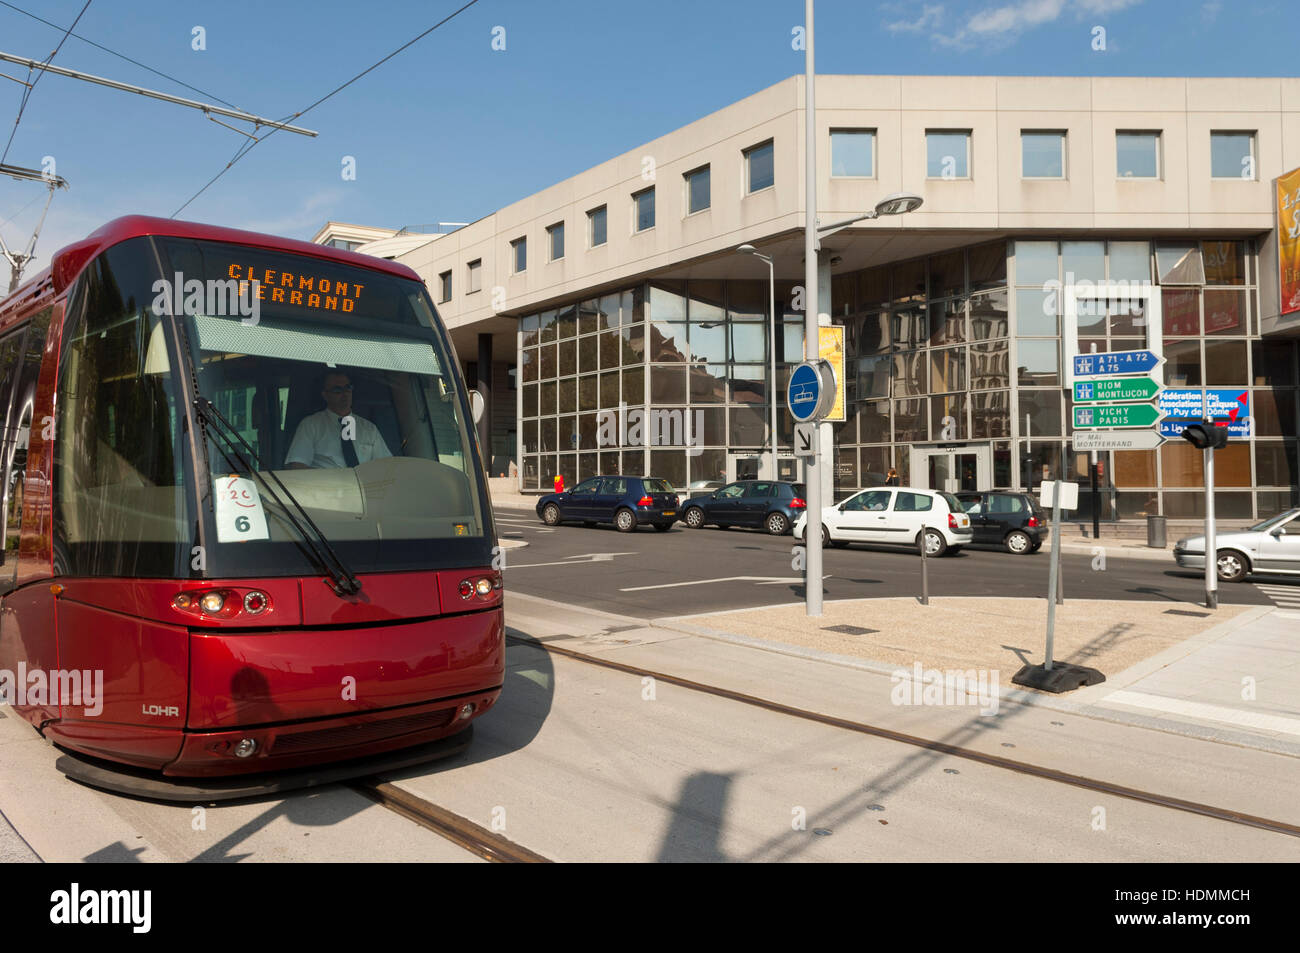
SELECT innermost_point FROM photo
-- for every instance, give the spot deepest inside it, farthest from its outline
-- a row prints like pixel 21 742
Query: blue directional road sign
pixel 1116 362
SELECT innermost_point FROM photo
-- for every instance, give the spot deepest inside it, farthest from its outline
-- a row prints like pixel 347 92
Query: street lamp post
pixel 771 384
pixel 896 204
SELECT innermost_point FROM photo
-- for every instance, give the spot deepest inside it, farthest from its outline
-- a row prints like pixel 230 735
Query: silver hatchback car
pixel 1272 546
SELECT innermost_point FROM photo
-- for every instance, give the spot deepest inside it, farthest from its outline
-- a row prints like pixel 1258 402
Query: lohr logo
pixel 163 710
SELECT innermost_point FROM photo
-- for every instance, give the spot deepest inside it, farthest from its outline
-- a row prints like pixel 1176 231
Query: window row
pixel 1049 264
pixel 656 427
pixel 759 174
pixel 668 384
pixel 1044 154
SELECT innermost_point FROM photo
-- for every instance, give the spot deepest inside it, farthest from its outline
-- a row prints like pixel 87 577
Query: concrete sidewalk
pixel 1231 676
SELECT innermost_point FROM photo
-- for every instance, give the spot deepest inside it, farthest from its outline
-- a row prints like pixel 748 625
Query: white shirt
pixel 317 444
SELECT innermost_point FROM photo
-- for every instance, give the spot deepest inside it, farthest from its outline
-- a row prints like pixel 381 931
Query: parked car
pixel 896 516
pixel 698 488
pixel 1271 546
pixel 625 501
pixel 1014 521
pixel 771 504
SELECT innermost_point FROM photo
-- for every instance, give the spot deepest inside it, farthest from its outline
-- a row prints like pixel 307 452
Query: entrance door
pixel 953 469
pixel 742 468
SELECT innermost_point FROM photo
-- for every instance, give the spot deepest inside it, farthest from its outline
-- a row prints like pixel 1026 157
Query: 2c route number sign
pixel 240 516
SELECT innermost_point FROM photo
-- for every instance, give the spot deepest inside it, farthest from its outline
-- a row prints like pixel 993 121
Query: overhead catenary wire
pixel 121 56
pixel 248 147
pixel 27 93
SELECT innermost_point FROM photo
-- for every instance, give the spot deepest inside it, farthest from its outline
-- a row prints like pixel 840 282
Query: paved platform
pixel 1234 678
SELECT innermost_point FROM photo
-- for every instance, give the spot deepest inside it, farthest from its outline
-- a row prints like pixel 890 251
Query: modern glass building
pixel 1057 221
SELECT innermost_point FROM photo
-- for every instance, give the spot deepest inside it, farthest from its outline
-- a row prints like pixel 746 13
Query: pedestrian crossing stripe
pixel 1284 596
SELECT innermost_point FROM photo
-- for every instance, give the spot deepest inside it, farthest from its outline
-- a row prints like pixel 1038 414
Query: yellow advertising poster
pixel 1288 240
pixel 830 348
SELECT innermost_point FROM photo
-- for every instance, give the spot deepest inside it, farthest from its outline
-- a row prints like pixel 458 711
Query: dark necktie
pixel 349 451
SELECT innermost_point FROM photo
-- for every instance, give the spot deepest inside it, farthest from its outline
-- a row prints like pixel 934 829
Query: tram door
pixel 27 629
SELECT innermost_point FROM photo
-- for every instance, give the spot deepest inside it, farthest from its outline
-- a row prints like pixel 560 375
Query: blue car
pixel 625 501
pixel 771 504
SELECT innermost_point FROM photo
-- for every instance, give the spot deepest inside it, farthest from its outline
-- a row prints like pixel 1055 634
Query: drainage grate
pixel 848 629
pixel 1197 615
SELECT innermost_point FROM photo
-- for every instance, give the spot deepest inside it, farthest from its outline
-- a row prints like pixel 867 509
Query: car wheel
pixel 625 520
pixel 1038 544
pixel 777 524
pixel 694 517
pixel 826 537
pixel 1232 565
pixel 662 527
pixel 1018 543
pixel 935 545
pixel 551 514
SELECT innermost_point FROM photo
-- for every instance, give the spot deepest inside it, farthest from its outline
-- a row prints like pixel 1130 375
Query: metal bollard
pixel 1156 537
pixel 925 571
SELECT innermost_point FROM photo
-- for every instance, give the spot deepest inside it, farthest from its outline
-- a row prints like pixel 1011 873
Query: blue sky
pixel 451 129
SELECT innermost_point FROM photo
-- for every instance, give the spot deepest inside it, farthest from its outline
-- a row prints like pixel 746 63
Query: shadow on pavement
pixel 698 819
pixel 891 781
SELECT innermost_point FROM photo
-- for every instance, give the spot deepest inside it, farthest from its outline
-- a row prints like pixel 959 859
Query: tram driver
pixel 324 439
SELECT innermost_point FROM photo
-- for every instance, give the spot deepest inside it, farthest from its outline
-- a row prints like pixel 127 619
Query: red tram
pixel 247 540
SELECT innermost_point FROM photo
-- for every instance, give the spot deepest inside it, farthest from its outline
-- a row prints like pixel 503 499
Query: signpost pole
pixel 1053 573
pixel 1211 548
pixel 812 347
pixel 1096 499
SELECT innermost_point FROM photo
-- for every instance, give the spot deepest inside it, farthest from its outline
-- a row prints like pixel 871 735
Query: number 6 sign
pixel 240 516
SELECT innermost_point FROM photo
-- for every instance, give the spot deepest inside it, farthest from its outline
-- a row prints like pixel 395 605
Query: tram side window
pixel 10 349
pixel 120 508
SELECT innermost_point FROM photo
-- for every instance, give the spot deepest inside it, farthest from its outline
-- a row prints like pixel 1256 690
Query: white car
pixel 898 516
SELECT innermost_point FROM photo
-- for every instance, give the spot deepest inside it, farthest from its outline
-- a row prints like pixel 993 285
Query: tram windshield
pixel 347 406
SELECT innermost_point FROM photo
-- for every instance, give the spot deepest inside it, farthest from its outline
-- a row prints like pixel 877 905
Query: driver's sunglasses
pixel 344 389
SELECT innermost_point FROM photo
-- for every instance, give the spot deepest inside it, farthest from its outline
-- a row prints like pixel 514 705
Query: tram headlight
pixel 484 587
pixel 213 602
pixel 256 602
pixel 245 747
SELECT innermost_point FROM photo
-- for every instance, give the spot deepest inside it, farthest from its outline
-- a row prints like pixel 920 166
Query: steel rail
pixel 459 830
pixel 956 751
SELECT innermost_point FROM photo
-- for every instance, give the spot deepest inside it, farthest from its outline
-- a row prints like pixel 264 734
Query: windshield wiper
pixel 342 580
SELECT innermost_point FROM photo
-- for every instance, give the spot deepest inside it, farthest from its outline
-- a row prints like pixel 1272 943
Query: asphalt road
pixel 650 575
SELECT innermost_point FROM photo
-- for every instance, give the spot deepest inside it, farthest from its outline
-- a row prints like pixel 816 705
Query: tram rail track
pixel 956 751
pixel 461 831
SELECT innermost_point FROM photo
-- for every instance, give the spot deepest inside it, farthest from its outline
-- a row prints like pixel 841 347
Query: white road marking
pixel 1286 597
pixel 760 580
pixel 572 560
pixel 1200 710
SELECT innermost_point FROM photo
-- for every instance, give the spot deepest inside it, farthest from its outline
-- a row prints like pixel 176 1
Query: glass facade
pixel 964 348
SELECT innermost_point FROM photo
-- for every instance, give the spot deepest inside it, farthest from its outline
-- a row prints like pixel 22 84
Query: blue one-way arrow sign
pixel 1116 362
